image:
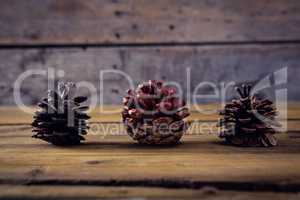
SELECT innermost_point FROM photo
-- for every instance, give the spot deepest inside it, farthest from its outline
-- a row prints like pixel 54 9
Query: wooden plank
pixel 92 192
pixel 198 158
pixel 142 21
pixel 214 64
pixel 15 116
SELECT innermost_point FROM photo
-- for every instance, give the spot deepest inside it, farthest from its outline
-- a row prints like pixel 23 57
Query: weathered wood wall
pixel 219 41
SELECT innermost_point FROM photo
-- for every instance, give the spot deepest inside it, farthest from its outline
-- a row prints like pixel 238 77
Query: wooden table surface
pixel 109 164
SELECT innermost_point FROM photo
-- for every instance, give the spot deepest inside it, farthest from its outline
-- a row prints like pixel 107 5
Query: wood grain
pixel 142 21
pixel 201 166
pixel 15 116
pixel 198 158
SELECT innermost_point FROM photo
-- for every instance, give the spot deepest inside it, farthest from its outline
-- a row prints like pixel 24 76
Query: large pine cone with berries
pixel 153 114
pixel 248 120
pixel 61 119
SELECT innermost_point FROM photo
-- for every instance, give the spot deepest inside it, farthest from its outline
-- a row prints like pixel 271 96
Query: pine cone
pixel 249 121
pixel 61 119
pixel 153 114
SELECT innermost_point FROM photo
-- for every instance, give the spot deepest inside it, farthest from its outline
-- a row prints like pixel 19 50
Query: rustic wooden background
pixel 232 40
pixel 218 40
pixel 110 165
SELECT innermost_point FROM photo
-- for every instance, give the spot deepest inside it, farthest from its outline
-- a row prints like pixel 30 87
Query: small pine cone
pixel 61 119
pixel 248 121
pixel 153 114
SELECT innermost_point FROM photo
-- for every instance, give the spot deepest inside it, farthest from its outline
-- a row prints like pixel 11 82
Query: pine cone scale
pixel 240 124
pixel 152 114
pixel 54 123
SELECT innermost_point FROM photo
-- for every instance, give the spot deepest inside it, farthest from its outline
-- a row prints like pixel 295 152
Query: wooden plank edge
pixel 274 186
pixel 8 192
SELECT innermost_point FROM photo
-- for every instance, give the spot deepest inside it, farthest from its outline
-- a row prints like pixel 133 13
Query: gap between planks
pixel 163 183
